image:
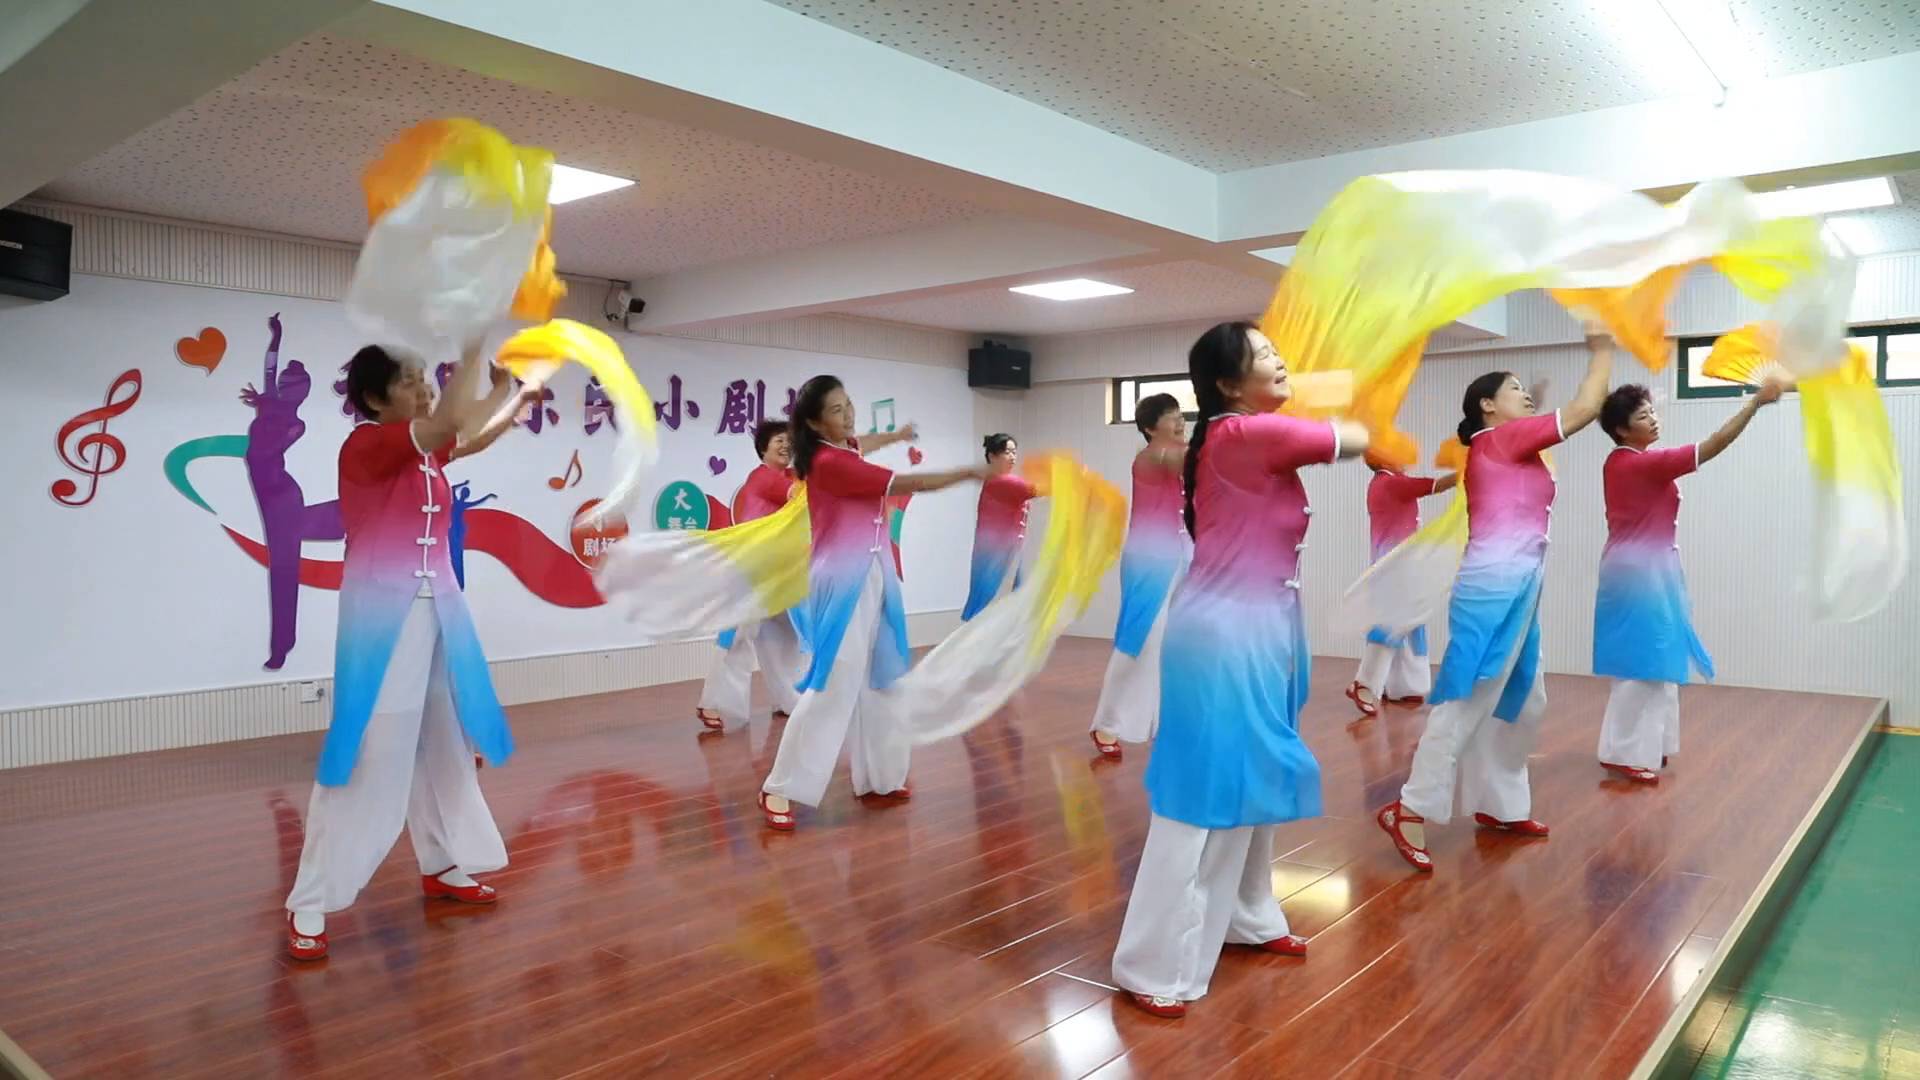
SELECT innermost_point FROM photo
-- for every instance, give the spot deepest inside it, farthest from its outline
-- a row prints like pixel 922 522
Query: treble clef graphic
pixel 96 453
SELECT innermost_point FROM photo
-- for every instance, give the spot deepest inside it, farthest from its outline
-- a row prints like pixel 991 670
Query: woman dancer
pixel 727 697
pixel 412 697
pixel 1643 635
pixel 1393 668
pixel 1229 763
pixel 1155 556
pixel 1001 525
pixel 1490 696
pixel 856 625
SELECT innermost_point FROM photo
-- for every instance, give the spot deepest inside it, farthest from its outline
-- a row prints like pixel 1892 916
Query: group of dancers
pixel 1210 658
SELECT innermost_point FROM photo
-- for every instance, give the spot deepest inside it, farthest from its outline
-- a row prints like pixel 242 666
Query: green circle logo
pixel 680 505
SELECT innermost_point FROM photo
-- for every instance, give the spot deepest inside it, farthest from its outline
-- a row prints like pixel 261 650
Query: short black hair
pixel 996 443
pixel 370 377
pixel 1148 412
pixel 1616 413
pixel 763 434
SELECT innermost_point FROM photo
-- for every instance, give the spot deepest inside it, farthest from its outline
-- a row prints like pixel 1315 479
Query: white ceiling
pixel 281 149
pixel 1233 84
pixel 1168 292
pixel 1892 228
pixel 840 155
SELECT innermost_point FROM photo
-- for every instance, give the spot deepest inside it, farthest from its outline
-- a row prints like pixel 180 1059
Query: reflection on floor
pixel 1837 991
pixel 651 925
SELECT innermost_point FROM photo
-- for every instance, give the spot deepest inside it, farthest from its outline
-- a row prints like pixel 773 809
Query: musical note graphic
pixel 574 471
pixel 96 453
pixel 883 405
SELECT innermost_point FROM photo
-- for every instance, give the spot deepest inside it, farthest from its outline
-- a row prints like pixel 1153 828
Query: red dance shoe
pixel 1411 701
pixel 466 894
pixel 1107 749
pixel 1165 1008
pixel 781 714
pixel 302 947
pixel 1389 818
pixel 903 793
pixel 1631 772
pixel 1367 708
pixel 1529 827
pixel 713 722
pixel 777 820
pixel 1291 945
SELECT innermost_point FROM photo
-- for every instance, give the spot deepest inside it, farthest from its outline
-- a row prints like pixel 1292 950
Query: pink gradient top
pixel 1510 489
pixel 1250 508
pixel 846 505
pixel 1002 518
pixel 1393 507
pixel 1643 499
pixel 764 492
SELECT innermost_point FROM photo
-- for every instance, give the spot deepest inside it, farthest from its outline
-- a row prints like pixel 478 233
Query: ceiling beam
pixel 78 76
pixel 1841 121
pixel 959 256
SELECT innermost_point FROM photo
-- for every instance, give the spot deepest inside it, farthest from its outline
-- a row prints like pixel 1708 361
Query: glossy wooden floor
pixel 651 926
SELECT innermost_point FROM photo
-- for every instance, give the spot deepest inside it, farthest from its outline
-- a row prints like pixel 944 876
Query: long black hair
pixel 1148 411
pixel 811 404
pixel 996 444
pixel 1221 353
pixel 1480 389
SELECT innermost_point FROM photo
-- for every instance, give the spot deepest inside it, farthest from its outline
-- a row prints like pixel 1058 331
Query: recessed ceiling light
pixel 1828 198
pixel 1073 289
pixel 570 183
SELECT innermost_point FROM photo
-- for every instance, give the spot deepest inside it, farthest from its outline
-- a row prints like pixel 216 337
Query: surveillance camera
pixel 618 302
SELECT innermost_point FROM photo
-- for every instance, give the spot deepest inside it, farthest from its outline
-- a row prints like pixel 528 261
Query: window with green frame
pixel 1894 350
pixel 1126 393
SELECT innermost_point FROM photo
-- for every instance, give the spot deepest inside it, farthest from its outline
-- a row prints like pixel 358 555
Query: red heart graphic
pixel 204 351
pixel 914 455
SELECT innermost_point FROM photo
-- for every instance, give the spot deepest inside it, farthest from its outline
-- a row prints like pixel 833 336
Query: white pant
pixel 1394 673
pixel 847 712
pixel 729 687
pixel 1196 890
pixel 1642 724
pixel 415 768
pixel 1129 707
pixel 1466 747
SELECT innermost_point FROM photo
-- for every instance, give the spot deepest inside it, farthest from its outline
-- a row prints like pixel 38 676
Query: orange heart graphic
pixel 205 351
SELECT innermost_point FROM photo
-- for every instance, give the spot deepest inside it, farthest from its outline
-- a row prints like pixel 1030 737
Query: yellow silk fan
pixel 1747 356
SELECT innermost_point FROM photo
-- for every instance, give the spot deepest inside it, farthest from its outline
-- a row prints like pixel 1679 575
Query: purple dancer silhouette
pixel 285 517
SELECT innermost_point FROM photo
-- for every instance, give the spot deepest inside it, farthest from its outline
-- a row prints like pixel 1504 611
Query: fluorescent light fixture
pixel 570 183
pixel 1858 235
pixel 1840 198
pixel 1072 289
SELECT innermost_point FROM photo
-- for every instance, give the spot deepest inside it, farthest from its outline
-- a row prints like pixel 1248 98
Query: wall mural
pixel 559 575
pixel 96 453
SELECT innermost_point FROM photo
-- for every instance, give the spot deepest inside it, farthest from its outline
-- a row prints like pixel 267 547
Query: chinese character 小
pixel 668 411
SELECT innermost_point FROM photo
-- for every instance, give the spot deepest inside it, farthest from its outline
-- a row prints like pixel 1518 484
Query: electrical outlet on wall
pixel 311 692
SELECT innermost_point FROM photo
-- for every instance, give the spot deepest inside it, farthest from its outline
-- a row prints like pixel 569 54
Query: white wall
pixel 1743 530
pixel 134 623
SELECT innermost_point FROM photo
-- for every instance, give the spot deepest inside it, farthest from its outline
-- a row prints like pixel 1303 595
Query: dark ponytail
pixel 809 404
pixel 1479 390
pixel 1221 353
